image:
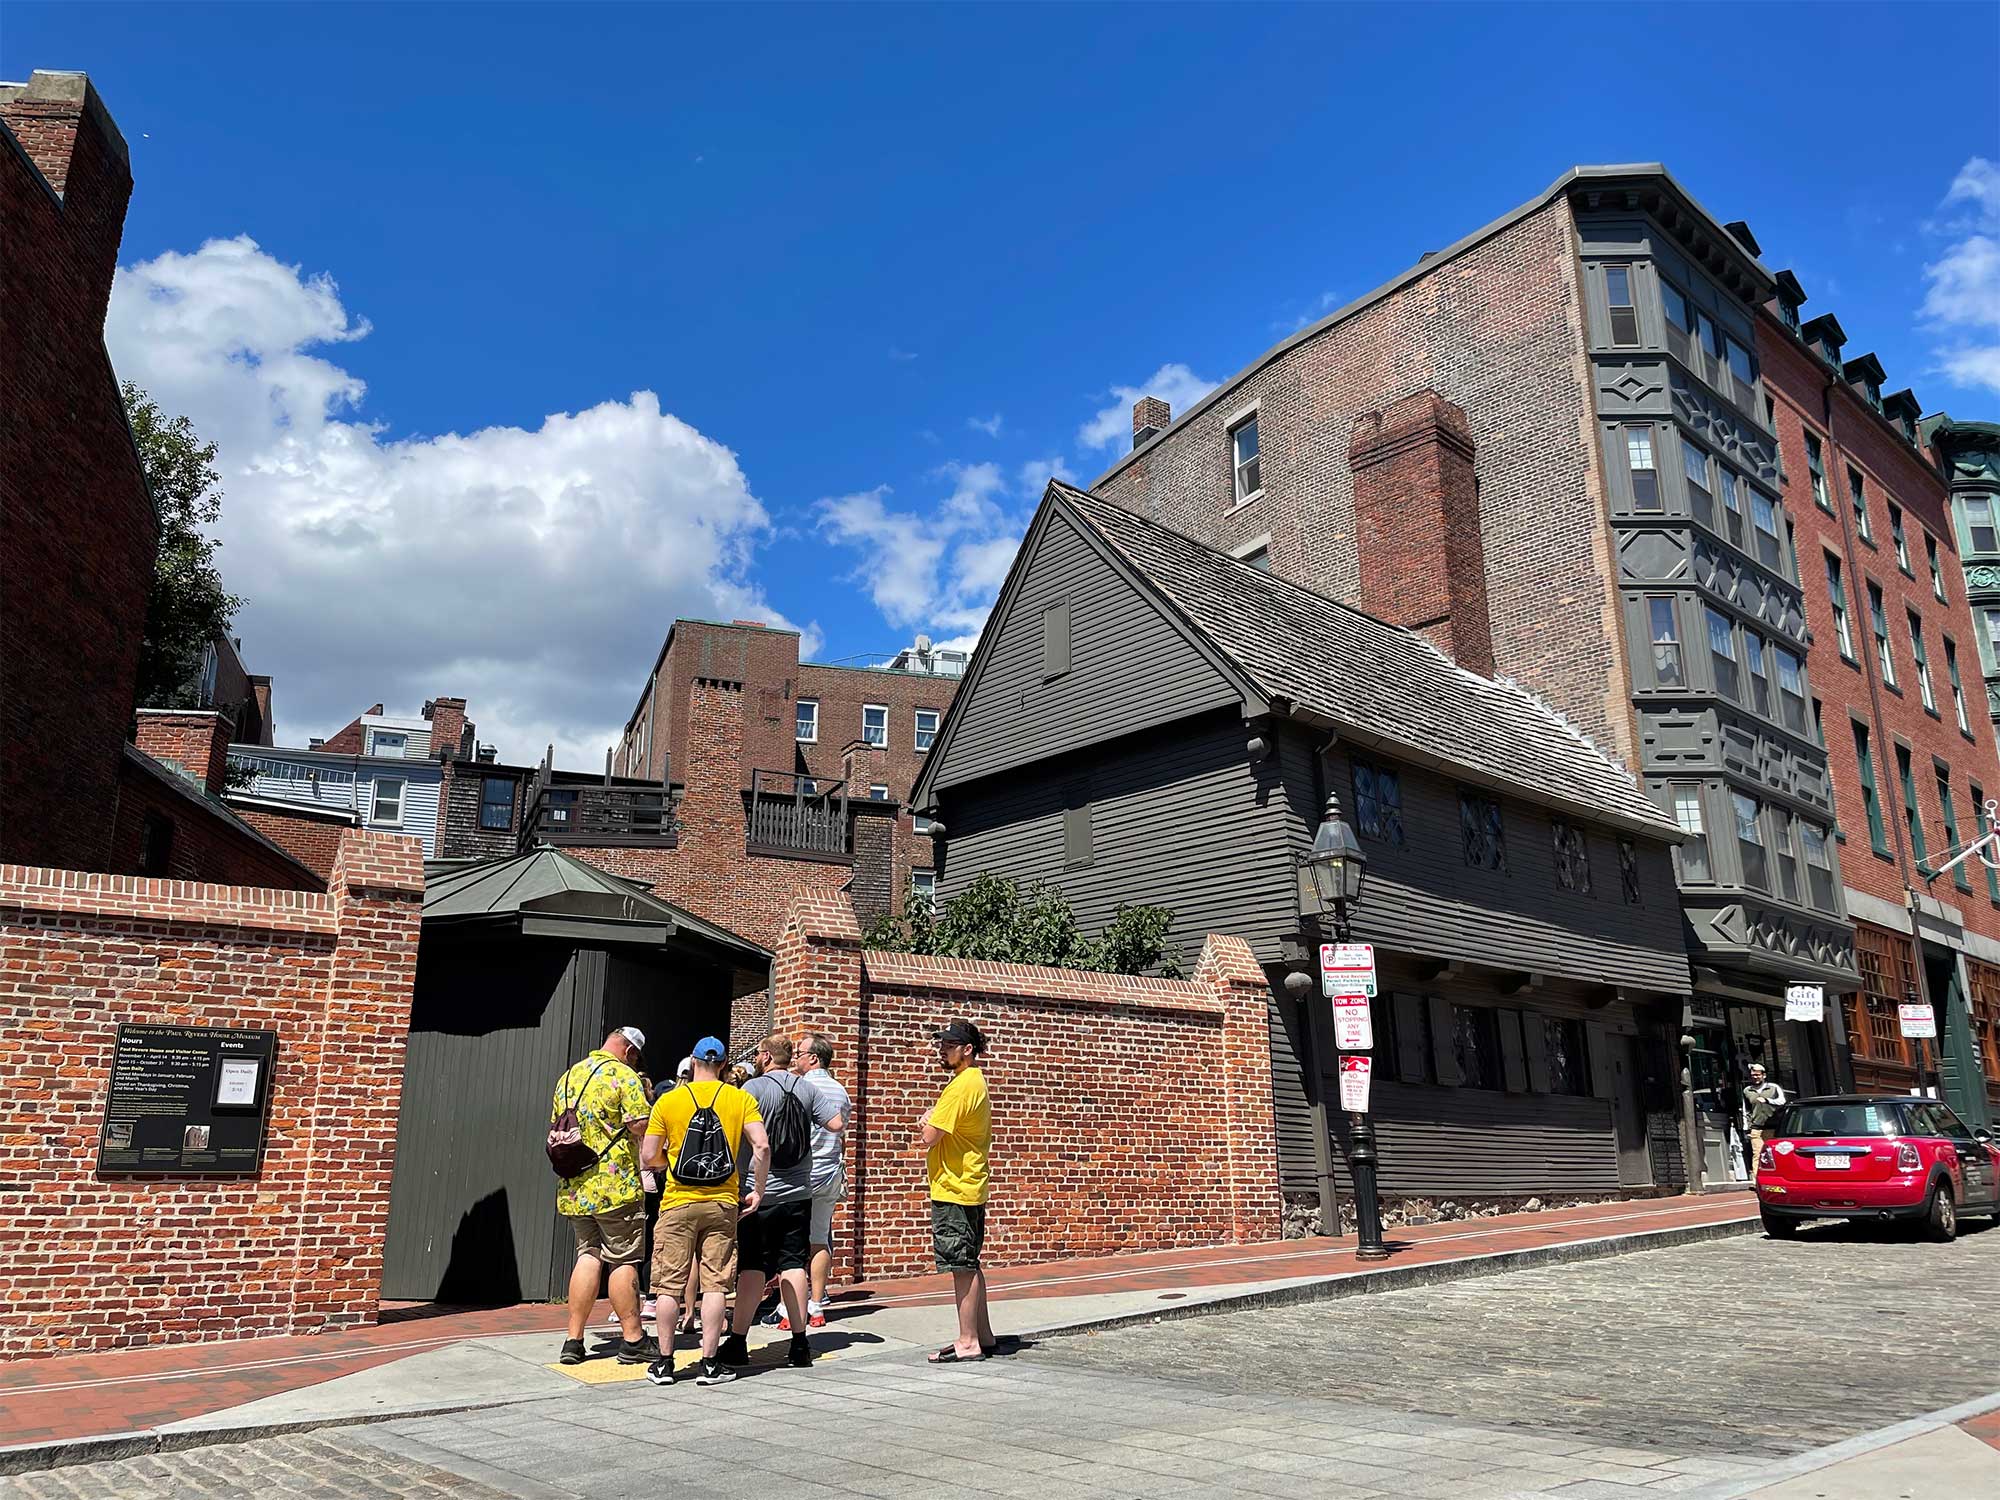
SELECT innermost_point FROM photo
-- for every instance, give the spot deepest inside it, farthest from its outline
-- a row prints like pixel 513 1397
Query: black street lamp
pixel 1336 867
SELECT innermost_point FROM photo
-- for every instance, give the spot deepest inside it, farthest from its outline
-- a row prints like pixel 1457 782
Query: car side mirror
pixel 1983 1136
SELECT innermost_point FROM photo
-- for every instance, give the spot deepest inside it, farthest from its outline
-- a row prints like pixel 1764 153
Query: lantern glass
pixel 1336 862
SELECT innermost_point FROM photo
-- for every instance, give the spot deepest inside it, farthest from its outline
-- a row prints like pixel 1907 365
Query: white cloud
pixel 988 425
pixel 1174 384
pixel 900 356
pixel 1034 475
pixel 1962 299
pixel 1297 315
pixel 533 572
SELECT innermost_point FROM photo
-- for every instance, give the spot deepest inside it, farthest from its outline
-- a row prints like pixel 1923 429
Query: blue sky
pixel 882 269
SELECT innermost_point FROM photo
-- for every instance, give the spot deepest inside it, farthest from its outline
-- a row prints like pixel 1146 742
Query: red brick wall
pixel 313 842
pixel 77 547
pixel 195 739
pixel 205 846
pixel 93 1263
pixel 1102 1140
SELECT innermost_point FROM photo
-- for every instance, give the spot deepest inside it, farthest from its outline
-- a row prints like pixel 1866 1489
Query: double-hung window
pixel 1871 801
pixel 1663 626
pixel 878 791
pixel 1878 618
pixel 1722 652
pixel 1791 689
pixel 1937 567
pixel 926 728
pixel 1923 661
pixel 1760 681
pixel 1750 840
pixel 1739 362
pixel 1244 455
pixel 1979 826
pixel 1769 537
pixel 1819 864
pixel 1836 592
pixel 1961 873
pixel 496 803
pixel 1816 469
pixel 1732 506
pixel 1918 849
pixel 923 886
pixel 875 725
pixel 1624 316
pixel 1860 496
pixel 1693 850
pixel 1694 468
pixel 1676 304
pixel 1898 540
pixel 1989 638
pixel 807 732
pixel 1786 850
pixel 1980 533
pixel 1640 464
pixel 387 807
pixel 1957 687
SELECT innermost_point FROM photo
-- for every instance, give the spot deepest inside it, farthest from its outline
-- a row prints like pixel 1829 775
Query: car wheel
pixel 1778 1226
pixel 1940 1215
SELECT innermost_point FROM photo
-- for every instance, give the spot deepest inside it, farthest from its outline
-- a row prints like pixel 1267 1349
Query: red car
pixel 1875 1156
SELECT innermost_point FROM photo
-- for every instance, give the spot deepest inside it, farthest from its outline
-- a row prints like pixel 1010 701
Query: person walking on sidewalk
pixel 812 1056
pixel 694 1140
pixel 775 1237
pixel 955 1139
pixel 1761 1101
pixel 602 1102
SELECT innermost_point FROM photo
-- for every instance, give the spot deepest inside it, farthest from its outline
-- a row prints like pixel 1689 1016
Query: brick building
pixel 77 526
pixel 1641 569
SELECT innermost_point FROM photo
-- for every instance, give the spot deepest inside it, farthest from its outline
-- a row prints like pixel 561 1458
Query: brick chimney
pixel 68 134
pixel 448 727
pixel 195 741
pixel 1150 417
pixel 1416 526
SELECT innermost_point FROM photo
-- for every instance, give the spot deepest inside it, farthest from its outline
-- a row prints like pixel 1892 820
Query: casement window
pixel 1911 817
pixel 926 728
pixel 1768 533
pixel 1836 592
pixel 878 791
pixel 1980 532
pixel 808 722
pixel 1640 464
pixel 1785 847
pixel 1694 468
pixel 1732 506
pixel 1483 832
pixel 1663 625
pixel 1961 875
pixel 388 743
pixel 1475 1044
pixel 1572 851
pixel 1739 362
pixel 1878 619
pixel 1923 663
pixel 496 804
pixel 923 886
pixel 1957 687
pixel 1760 682
pixel 1937 567
pixel 1624 316
pixel 1722 653
pixel 1816 468
pixel 1898 541
pixel 1692 855
pixel 1750 840
pixel 1674 300
pixel 1628 871
pixel 1979 827
pixel 1378 802
pixel 1819 865
pixel 875 725
pixel 1568 1051
pixel 1860 497
pixel 1244 456
pixel 387 806
pixel 1864 761
pixel 1791 689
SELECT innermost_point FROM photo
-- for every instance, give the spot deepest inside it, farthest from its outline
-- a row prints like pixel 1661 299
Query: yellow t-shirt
pixel 669 1121
pixel 957 1160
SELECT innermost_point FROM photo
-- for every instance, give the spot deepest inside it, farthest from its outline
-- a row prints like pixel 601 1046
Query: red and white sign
pixel 1347 969
pixel 1354 1073
pixel 1353 1027
pixel 1917 1020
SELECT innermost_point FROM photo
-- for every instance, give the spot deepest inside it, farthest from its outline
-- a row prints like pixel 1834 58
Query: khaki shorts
pixel 687 1232
pixel 617 1238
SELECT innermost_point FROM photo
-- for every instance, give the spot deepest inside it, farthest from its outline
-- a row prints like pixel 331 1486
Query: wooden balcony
pixel 613 813
pixel 797 817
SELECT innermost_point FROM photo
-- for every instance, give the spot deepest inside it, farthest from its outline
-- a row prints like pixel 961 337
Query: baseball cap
pixel 687 1065
pixel 633 1035
pixel 962 1033
pixel 708 1049
pixel 1756 1067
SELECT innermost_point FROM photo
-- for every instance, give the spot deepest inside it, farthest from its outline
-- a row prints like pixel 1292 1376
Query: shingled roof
pixel 1377 682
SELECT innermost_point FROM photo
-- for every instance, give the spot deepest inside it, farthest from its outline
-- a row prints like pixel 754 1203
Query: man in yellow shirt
pixel 955 1139
pixel 694 1140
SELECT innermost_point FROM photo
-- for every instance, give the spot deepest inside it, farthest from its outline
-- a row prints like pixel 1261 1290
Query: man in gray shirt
pixel 812 1055
pixel 774 1241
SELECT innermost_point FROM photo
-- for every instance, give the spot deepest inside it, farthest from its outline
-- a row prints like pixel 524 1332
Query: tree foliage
pixel 994 919
pixel 188 606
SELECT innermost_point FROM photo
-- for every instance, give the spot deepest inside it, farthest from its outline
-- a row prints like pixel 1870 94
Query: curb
pixel 1816 1459
pixel 1402 1278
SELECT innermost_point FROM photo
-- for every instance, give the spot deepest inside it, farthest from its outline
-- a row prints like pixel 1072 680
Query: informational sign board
pixel 1347 969
pixel 186 1101
pixel 1917 1020
pixel 1805 1002
pixel 1354 1073
pixel 1353 1027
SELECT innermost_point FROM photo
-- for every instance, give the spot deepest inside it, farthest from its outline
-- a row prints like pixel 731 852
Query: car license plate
pixel 1833 1163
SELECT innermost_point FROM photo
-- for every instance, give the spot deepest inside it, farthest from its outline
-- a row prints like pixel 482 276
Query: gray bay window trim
pixel 1678 505
pixel 1700 678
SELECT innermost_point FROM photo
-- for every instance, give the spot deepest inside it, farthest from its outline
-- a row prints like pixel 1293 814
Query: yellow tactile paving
pixel 604 1369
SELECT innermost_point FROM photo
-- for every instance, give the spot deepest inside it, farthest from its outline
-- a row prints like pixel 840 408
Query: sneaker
pixel 801 1353
pixel 649 1311
pixel 573 1353
pixel 714 1372
pixel 735 1350
pixel 815 1315
pixel 614 1321
pixel 661 1371
pixel 637 1351
pixel 778 1319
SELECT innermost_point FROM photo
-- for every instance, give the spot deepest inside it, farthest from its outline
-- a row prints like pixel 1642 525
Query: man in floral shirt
pixel 606 1206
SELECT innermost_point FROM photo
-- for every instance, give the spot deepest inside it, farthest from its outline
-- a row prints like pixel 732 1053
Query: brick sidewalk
pixel 132 1390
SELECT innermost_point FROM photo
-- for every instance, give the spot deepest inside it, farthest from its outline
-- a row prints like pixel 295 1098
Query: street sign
pixel 1805 1002
pixel 1347 969
pixel 1354 1073
pixel 1353 1027
pixel 1917 1020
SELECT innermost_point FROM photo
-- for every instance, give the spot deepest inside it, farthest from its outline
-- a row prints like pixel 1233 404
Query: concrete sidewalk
pixel 80 1408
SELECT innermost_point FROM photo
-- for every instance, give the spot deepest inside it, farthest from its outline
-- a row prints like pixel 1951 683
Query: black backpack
pixel 567 1152
pixel 790 1129
pixel 706 1159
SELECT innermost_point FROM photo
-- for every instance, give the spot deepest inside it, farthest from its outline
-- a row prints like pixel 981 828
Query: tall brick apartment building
pixel 1646 568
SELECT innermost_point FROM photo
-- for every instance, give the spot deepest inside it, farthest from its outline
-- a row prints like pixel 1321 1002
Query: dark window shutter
pixel 1538 1053
pixel 1076 836
pixel 1412 1065
pixel 1512 1059
pixel 1055 639
pixel 1444 1051
pixel 1602 1074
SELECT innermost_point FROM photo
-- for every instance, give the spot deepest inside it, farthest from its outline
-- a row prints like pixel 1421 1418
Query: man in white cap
pixel 606 1202
pixel 1760 1101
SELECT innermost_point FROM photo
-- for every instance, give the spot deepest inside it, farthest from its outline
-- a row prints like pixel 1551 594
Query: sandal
pixel 949 1355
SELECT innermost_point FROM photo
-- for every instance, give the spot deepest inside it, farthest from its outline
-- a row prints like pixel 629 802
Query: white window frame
pixel 924 883
pixel 800 707
pixel 875 708
pixel 402 785
pixel 878 791
pixel 918 732
pixel 1247 417
pixel 919 823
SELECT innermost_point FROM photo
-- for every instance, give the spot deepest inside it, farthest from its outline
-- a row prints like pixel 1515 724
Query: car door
pixel 1973 1157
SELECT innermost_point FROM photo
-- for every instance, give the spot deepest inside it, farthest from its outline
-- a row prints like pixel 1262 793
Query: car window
pixel 1838 1119
pixel 1949 1124
pixel 1924 1120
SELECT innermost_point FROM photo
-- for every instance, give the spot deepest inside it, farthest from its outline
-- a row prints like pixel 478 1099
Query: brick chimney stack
pixel 1416 526
pixel 448 727
pixel 1150 417
pixel 67 133
pixel 195 741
